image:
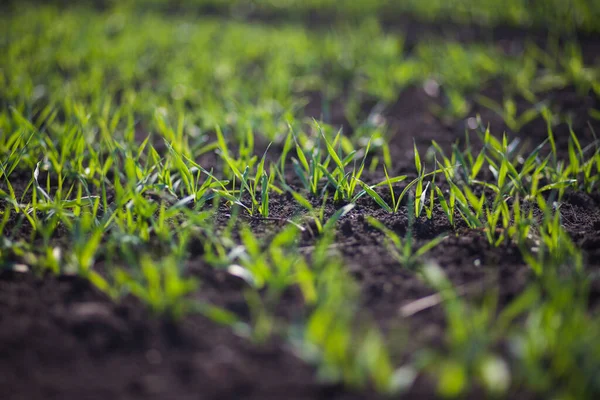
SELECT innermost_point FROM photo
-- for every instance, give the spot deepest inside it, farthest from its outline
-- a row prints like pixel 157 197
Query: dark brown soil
pixel 60 338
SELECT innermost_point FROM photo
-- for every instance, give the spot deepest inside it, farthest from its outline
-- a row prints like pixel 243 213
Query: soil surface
pixel 60 338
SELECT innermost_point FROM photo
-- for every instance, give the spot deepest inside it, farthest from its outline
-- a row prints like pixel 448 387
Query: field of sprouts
pixel 260 199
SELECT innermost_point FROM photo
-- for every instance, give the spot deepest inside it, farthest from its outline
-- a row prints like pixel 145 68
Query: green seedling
pixel 509 113
pixel 402 248
pixel 160 285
